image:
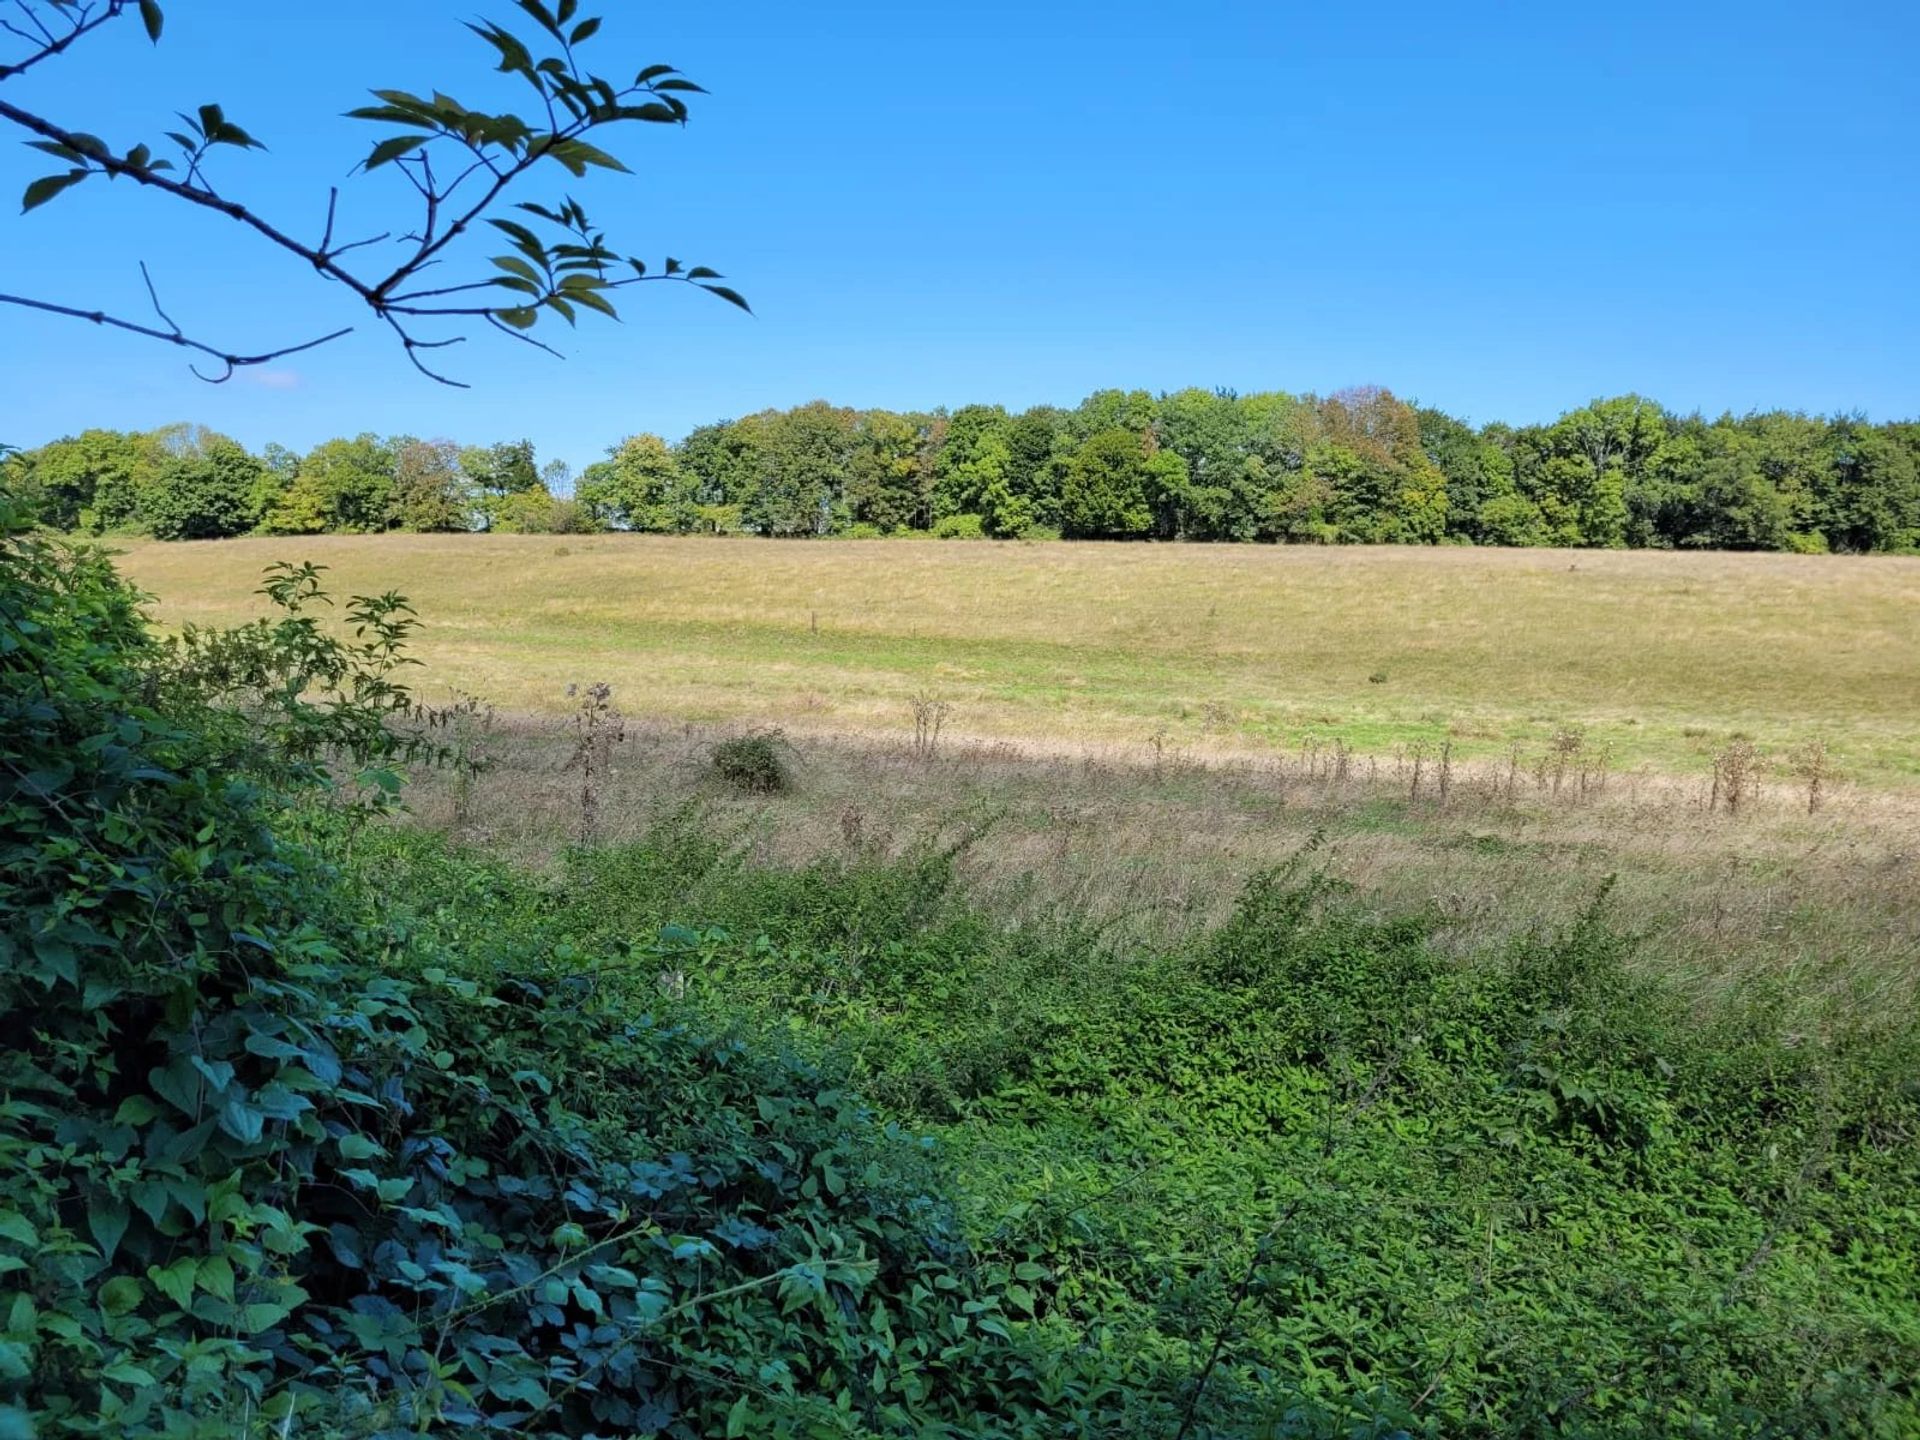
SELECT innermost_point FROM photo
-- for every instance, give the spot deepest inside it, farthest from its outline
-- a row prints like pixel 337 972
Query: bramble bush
pixel 272 1161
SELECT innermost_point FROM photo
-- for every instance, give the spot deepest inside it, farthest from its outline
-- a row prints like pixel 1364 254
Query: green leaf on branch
pixel 48 186
pixel 392 149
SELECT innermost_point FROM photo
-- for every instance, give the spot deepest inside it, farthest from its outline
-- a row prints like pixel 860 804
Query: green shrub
pixel 273 1160
pixel 960 527
pixel 754 764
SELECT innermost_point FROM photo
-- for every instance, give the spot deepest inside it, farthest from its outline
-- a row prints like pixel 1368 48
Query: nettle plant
pixel 462 161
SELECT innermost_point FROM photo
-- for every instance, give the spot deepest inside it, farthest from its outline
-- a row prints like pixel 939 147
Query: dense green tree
pixel 887 471
pixel 430 491
pixel 723 460
pixel 1511 519
pixel 540 512
pixel 202 492
pixel 1872 497
pixel 1105 492
pixel 1383 488
pixel 640 486
pixel 1111 410
pixel 803 459
pixel 1209 429
pixel 1037 449
pixel 344 486
pixel 1601 471
pixel 91 482
pixel 498 472
pixel 973 456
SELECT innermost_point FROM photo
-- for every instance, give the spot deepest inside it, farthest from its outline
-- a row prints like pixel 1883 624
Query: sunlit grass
pixel 1659 658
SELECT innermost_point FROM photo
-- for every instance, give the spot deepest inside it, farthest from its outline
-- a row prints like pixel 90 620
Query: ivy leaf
pixel 48 186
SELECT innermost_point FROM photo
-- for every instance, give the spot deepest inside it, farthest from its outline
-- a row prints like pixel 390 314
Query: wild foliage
pixel 755 764
pixel 1305 1175
pixel 273 1162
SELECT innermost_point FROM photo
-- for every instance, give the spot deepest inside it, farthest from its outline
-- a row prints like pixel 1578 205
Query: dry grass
pixel 1150 842
pixel 1658 659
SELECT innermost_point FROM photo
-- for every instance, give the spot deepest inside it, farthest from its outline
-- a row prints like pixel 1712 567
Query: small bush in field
pixel 753 763
pixel 959 527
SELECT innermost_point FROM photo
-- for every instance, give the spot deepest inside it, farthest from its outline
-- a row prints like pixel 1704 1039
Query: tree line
pixel 1357 466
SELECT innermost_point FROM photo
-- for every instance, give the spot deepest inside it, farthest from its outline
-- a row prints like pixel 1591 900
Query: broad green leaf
pixel 392 149
pixel 120 1295
pixel 215 1276
pixel 242 1121
pixel 107 1220
pixel 135 1110
pixel 48 186
pixel 176 1280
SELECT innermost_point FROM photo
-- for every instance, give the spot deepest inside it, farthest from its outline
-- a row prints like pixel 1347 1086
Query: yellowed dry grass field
pixel 1139 729
pixel 1150 846
pixel 1658 660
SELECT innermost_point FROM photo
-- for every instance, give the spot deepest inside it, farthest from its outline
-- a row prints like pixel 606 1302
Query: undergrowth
pixel 1386 1192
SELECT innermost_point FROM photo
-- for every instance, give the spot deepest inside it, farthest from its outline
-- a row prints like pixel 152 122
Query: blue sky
pixel 1504 209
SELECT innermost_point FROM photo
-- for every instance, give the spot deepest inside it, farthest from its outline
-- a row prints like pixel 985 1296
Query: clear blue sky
pixel 1501 208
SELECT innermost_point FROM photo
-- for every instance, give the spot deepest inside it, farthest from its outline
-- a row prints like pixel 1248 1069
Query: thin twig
pixel 231 361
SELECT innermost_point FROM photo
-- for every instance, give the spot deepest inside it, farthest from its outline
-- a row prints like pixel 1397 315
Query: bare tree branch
pixel 50 45
pixel 232 362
